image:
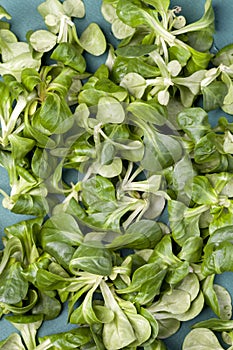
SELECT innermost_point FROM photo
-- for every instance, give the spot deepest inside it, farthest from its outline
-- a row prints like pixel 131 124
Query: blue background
pixel 25 17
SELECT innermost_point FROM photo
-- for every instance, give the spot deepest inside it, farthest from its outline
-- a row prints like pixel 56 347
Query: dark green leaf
pixel 70 56
pixel 13 285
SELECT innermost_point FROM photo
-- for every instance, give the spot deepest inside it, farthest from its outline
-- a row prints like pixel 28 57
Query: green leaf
pixel 195 309
pixel 88 312
pixel 198 61
pixel 222 234
pixel 206 153
pixel 30 78
pixel 48 306
pixel 93 40
pixel 62 228
pixel 140 235
pixel 55 115
pixel 70 56
pixel 16 64
pixel 91 258
pixel 13 342
pixel 20 146
pixel 135 50
pixel 224 300
pixel 27 232
pixel 27 204
pixel 213 95
pixel 104 314
pixel 168 327
pixel 161 150
pixel 194 122
pixel 13 285
pixel 175 302
pixel 119 332
pixel 12 246
pixel 131 12
pixel 107 153
pixel 52 12
pixel 73 339
pixel 177 272
pixel 201 338
pixel 141 327
pixel 121 30
pixel 28 326
pixel 48 281
pixel 156 345
pixel 124 65
pixel 179 53
pixel 149 111
pixel 135 84
pixel 62 82
pixel 191 250
pixel 50 6
pixel 61 251
pixel 28 305
pixel 97 190
pixel 224 56
pixel 191 285
pixel 111 89
pixel 146 281
pixel 210 295
pixel 154 326
pixel 201 191
pixel 74 8
pixel 182 173
pixel 215 324
pixel 184 221
pixel 43 40
pixel 163 254
pixel 217 258
pixel 110 111
pixel 158 5
pixel 110 170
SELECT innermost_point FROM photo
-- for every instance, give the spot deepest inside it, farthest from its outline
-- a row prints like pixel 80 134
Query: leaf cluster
pixel 96 159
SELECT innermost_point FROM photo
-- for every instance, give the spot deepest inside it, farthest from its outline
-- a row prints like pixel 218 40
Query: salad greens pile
pixel 127 185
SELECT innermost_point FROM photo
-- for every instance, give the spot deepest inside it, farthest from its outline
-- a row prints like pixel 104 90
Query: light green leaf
pixel 13 342
pixel 141 327
pixel 121 30
pixel 167 327
pixel 135 84
pixel 174 67
pixel 43 40
pixel 201 191
pixel 201 339
pixel 93 40
pixel 110 111
pixel 119 332
pixel 224 301
pixel 175 302
pixel 163 97
pixel 74 8
pixel 110 170
pixel 108 11
pixel 191 285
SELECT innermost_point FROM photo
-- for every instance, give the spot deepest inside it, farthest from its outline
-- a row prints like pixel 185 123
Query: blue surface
pixel 25 17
